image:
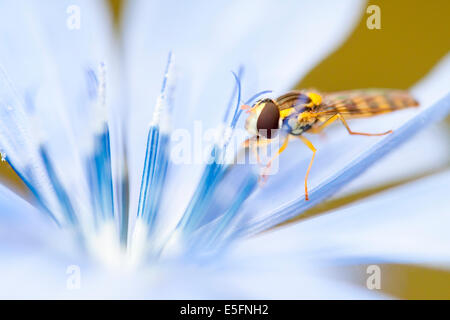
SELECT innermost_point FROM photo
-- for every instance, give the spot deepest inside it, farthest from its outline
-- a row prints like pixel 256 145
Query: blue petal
pixel 47 63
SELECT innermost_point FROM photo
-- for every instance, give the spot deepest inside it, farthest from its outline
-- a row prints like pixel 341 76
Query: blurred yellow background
pixel 414 35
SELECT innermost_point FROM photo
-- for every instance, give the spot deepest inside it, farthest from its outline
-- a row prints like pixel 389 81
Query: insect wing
pixel 293 99
pixel 366 103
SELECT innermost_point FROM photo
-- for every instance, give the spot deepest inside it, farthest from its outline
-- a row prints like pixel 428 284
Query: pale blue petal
pixel 269 281
pixel 20 220
pixel 287 277
pixel 259 278
pixel 408 224
pixel 36 255
pixel 433 142
pixel 47 64
pixel 404 162
pixel 34 251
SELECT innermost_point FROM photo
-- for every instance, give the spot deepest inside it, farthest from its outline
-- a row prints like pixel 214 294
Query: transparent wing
pixel 366 103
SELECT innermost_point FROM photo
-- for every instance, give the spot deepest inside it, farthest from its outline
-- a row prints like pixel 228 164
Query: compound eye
pixel 268 120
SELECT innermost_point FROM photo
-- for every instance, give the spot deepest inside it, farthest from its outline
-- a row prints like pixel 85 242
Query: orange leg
pixel 254 147
pixel 360 133
pixel 313 149
pixel 254 144
pixel 344 122
pixel 319 129
pixel 282 148
pixel 269 164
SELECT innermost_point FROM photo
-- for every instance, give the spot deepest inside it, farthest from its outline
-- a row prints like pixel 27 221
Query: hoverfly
pixel 300 111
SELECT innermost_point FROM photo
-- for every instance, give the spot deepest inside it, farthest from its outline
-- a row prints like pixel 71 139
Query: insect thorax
pixel 296 125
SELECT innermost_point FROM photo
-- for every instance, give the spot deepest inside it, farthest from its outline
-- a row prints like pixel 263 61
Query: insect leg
pixel 268 165
pixel 254 144
pixel 313 149
pixel 255 149
pixel 360 133
pixel 324 125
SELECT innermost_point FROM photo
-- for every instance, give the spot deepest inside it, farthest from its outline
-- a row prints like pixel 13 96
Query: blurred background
pixel 414 36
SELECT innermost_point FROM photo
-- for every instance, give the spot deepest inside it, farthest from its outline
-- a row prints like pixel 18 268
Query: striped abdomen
pixel 365 103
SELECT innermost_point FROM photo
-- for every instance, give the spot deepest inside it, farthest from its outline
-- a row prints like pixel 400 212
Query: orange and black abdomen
pixel 366 103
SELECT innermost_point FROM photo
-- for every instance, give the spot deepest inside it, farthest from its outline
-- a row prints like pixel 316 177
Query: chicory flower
pixel 90 129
